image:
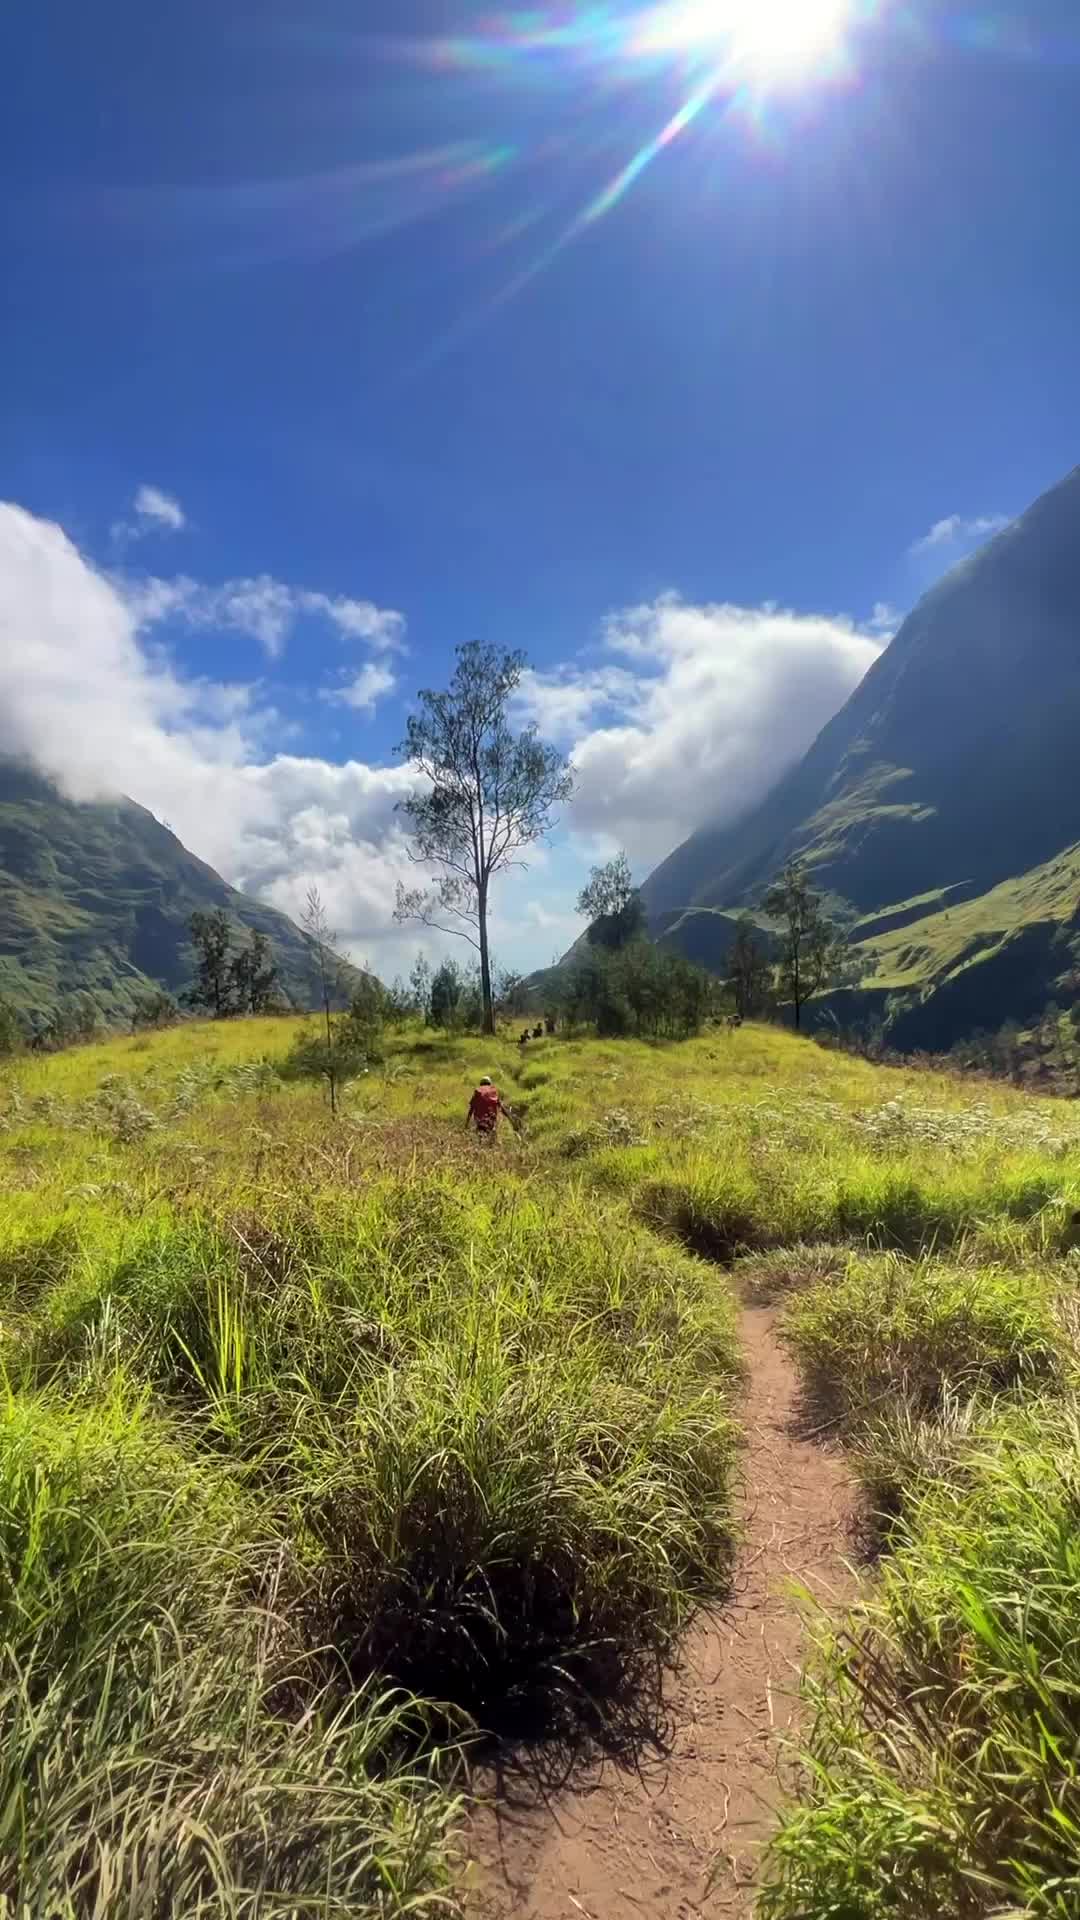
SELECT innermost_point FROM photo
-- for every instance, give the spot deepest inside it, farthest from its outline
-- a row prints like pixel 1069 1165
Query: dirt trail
pixel 636 1841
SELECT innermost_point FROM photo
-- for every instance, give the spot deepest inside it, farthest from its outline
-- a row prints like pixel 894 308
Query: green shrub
pixel 714 1209
pixel 11 1030
pixel 887 1326
pixel 311 1056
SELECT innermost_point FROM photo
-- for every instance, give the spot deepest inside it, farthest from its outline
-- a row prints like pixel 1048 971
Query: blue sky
pixel 328 345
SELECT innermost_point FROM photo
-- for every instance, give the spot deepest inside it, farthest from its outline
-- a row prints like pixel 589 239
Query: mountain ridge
pixel 948 775
pixel 96 896
pixel 895 760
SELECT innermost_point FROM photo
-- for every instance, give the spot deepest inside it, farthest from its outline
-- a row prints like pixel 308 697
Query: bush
pixel 154 1009
pixel 502 1436
pixel 922 1330
pixel 312 1057
pixel 638 988
pixel 144 1767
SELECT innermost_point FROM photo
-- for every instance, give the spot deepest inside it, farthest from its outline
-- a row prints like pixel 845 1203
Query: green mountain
pixel 95 899
pixel 940 809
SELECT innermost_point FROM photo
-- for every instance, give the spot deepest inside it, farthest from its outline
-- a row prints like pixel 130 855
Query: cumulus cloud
pixel 264 608
pixel 956 529
pixel 83 699
pixel 692 712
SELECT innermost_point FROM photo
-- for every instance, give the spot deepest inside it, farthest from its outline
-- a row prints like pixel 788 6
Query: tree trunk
pixel 485 961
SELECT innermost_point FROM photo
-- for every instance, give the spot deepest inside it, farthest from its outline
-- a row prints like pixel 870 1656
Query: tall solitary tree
pixel 812 950
pixel 487 792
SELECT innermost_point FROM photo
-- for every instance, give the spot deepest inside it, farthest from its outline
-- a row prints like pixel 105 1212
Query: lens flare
pixel 766 40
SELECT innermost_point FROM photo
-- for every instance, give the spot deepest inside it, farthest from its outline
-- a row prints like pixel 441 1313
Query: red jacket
pixel 484 1108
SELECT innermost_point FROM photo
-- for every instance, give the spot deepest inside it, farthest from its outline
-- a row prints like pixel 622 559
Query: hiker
pixel 538 1033
pixel 485 1108
pixel 549 1023
pixel 524 1040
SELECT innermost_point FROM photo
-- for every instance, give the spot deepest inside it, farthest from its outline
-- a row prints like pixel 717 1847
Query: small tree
pixel 749 971
pixel 362 1027
pixel 211 937
pixel 447 986
pixel 420 988
pixel 253 976
pixel 612 905
pixel 487 793
pixel 323 938
pixel 398 1005
pixel 813 951
pixel 511 991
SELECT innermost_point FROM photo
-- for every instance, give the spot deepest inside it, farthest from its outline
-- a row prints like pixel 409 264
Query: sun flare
pixel 766 39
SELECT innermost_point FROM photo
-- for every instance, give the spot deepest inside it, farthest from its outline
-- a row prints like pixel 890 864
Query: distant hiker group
pixel 537 1032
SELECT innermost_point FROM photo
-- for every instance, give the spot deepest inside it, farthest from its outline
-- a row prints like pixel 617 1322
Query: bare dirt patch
pixel 677 1830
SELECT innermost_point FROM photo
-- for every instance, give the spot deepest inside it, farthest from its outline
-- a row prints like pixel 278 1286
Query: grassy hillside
pixel 945 964
pixel 935 945
pixel 96 899
pixel 298 1412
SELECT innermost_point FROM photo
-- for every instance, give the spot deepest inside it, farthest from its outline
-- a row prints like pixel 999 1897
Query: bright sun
pixel 770 39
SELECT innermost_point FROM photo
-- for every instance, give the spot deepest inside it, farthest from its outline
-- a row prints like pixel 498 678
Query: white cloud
pixel 262 607
pixel 154 511
pixel 885 619
pixel 564 702
pixel 365 688
pixel 955 530
pixel 82 698
pixel 151 503
pixel 721 699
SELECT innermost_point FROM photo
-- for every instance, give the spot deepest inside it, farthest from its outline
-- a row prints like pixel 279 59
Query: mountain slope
pixel 939 810
pixel 96 899
pixel 953 760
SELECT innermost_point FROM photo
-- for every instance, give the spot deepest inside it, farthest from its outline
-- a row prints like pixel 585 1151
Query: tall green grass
pixel 316 1437
pixel 503 1451
pixel 922 1329
pixel 943 1763
pixel 169 1746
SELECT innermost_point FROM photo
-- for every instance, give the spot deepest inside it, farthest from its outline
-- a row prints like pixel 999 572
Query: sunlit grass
pixel 304 1419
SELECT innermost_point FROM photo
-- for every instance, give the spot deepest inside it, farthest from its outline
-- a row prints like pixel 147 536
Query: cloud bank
pixel 83 699
pixel 691 713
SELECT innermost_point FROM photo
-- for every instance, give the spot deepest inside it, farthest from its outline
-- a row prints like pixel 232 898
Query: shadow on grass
pixel 544 1700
